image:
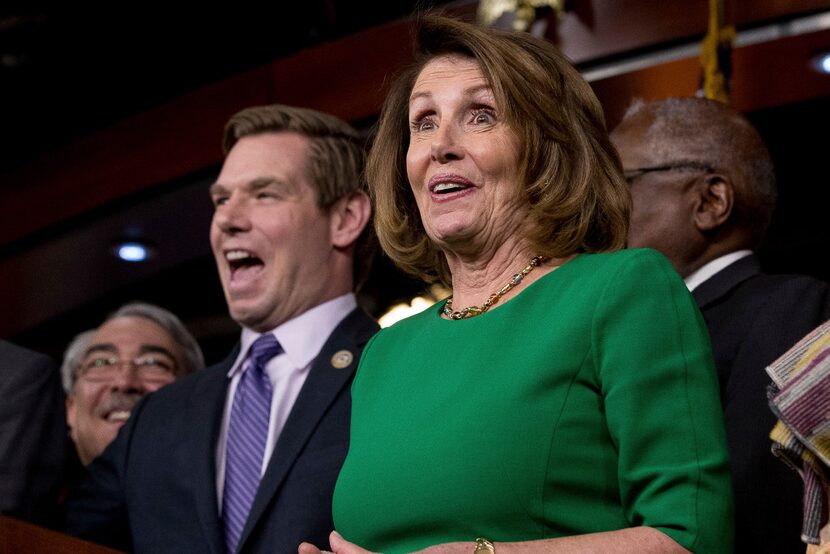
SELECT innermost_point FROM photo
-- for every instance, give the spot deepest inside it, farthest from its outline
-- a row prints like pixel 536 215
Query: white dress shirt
pixel 706 271
pixel 301 338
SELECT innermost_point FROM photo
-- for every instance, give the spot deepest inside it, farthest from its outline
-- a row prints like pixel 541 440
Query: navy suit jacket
pixel 32 434
pixel 154 488
pixel 753 318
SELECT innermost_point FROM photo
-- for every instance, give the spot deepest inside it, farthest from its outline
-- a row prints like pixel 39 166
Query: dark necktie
pixel 247 434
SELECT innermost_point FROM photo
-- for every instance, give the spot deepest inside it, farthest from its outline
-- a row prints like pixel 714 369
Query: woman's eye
pixel 484 117
pixel 424 124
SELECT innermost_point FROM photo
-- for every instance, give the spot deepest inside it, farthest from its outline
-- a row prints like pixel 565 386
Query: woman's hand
pixel 643 540
pixel 338 545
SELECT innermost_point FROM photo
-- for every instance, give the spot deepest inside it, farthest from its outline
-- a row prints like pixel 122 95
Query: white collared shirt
pixel 301 338
pixel 706 271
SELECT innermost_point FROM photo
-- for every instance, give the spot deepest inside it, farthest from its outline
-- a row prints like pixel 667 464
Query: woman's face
pixel 463 159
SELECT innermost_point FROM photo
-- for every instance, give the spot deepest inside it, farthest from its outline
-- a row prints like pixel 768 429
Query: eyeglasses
pixel 631 174
pixel 148 367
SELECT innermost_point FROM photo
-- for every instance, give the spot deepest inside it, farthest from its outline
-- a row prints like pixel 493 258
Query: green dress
pixel 586 403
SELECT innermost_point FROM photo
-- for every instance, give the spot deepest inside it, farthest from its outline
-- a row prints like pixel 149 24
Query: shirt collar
pixel 303 337
pixel 706 271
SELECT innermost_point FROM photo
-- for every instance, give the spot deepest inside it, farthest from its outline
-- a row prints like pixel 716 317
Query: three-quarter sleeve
pixel 660 392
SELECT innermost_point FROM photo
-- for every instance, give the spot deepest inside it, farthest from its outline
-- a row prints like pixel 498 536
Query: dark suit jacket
pixel 754 318
pixel 156 483
pixel 32 433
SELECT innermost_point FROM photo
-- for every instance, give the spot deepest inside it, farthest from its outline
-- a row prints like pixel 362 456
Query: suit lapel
pixel 206 406
pixel 725 280
pixel 321 388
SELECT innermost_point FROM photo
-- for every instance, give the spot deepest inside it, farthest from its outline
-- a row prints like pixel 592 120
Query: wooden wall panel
pixel 347 77
pixel 764 75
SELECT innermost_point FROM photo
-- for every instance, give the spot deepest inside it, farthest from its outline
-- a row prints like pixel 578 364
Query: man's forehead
pixel 641 143
pixel 633 144
pixel 277 157
pixel 130 333
pixel 140 347
pixel 284 150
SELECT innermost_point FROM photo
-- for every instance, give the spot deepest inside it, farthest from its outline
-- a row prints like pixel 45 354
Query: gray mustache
pixel 119 401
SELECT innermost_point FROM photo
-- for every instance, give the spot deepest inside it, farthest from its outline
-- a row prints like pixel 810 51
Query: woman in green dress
pixel 563 399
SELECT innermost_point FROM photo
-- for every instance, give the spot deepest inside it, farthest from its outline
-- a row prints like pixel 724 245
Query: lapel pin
pixel 341 359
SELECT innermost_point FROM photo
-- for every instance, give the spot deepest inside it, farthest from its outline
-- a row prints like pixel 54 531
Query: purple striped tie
pixel 247 433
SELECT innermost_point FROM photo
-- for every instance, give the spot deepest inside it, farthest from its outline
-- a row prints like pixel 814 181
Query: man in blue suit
pixel 243 456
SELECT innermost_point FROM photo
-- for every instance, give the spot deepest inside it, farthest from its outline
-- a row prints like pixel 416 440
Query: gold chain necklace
pixel 473 311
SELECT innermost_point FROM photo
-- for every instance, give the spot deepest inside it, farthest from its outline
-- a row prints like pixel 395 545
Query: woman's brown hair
pixel 579 201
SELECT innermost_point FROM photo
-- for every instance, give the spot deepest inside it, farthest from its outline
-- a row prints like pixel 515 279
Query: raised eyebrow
pixel 471 91
pixel 265 182
pixel 416 95
pixel 106 347
pixel 216 189
pixel 284 188
pixel 154 349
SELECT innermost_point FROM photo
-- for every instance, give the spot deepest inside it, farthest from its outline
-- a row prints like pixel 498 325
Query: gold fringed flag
pixel 716 55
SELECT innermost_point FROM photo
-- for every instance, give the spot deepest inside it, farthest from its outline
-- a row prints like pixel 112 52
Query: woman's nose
pixel 446 144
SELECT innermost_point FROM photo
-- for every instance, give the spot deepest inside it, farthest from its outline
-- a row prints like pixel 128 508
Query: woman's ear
pixel 349 217
pixel 717 198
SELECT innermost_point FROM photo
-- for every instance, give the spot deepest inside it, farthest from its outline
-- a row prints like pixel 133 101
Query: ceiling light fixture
pixel 132 252
pixel 821 62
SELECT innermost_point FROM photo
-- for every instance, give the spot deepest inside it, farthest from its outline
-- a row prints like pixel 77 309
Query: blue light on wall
pixel 821 62
pixel 132 252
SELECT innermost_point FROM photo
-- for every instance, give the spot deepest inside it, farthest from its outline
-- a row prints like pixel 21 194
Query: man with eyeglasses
pixel 703 190
pixel 106 371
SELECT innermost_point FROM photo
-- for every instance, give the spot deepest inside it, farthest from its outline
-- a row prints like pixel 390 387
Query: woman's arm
pixel 639 540
pixel 661 405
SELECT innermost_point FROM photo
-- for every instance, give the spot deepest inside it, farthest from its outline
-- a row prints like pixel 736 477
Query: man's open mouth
pixel 119 406
pixel 243 263
pixel 118 416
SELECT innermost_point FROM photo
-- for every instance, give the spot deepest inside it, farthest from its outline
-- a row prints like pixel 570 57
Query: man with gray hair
pixel 106 371
pixel 703 190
